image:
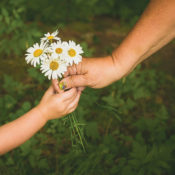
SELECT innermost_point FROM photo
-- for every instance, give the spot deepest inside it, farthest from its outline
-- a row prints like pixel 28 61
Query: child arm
pixel 51 106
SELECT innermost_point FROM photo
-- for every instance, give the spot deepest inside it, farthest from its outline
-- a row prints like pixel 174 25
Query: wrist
pixel 41 113
pixel 118 68
pixel 124 62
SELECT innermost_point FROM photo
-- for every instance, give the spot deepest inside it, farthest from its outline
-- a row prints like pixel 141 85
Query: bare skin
pixel 52 106
pixel 154 29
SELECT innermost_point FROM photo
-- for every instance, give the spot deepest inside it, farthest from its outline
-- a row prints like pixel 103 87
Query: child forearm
pixel 17 132
pixel 51 106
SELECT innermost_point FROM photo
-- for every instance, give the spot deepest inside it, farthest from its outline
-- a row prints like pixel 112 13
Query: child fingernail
pixel 62 85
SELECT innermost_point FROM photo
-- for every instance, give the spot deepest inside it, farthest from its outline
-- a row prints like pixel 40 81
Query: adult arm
pixel 154 29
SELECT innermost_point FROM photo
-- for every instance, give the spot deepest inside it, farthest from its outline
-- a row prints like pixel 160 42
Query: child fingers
pixel 55 85
pixel 81 88
pixel 69 94
pixel 50 91
pixel 73 105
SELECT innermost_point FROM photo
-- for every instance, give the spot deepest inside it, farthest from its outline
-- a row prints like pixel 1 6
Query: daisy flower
pixel 50 36
pixel 58 49
pixel 73 52
pixel 36 53
pixel 53 67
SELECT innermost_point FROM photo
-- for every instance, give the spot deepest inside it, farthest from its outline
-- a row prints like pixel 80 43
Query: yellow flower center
pixel 58 50
pixel 37 52
pixel 54 65
pixel 50 37
pixel 71 52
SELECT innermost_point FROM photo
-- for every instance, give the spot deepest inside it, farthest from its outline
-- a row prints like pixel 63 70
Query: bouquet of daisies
pixel 53 56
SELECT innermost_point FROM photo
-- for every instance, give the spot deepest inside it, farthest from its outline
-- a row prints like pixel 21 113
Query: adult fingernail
pixel 62 85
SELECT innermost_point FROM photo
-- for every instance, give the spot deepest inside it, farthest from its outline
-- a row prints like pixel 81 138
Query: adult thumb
pixel 73 81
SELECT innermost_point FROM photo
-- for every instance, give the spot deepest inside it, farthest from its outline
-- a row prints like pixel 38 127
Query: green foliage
pixel 141 142
pixel 58 11
pixel 14 27
pixel 129 126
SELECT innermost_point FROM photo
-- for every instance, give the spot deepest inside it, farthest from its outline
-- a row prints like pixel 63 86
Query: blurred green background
pixel 129 126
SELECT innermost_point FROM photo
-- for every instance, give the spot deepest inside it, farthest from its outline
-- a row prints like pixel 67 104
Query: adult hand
pixel 92 72
pixel 144 40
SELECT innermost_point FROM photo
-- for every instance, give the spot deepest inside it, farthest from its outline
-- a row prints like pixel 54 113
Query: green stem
pixel 77 129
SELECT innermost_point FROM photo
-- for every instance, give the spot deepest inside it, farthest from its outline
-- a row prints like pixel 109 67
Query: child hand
pixel 54 106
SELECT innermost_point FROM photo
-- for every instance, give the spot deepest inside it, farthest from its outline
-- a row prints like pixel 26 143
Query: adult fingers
pixel 72 70
pixel 74 81
pixel 66 74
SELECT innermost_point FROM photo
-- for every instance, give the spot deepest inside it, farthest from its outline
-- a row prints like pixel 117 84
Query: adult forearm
pixel 155 29
pixel 17 132
pixel 162 43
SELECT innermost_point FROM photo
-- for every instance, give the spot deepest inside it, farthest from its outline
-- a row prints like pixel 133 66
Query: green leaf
pixel 92 130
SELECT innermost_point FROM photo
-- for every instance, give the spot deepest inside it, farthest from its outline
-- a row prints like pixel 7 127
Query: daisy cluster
pixel 53 55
